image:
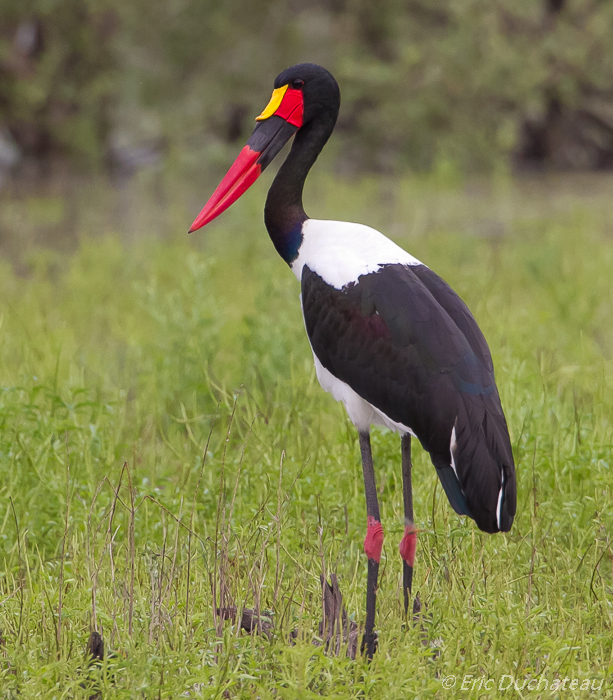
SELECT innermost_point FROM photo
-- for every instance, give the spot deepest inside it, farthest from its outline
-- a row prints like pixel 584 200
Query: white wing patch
pixel 452 448
pixel 339 251
pixel 499 506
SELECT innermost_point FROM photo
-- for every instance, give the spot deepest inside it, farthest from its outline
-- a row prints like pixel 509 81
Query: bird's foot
pixel 370 643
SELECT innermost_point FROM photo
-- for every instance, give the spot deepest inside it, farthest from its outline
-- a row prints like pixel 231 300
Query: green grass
pixel 124 363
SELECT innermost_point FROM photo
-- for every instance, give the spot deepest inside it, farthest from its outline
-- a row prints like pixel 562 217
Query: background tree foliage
pixel 56 77
pixel 424 82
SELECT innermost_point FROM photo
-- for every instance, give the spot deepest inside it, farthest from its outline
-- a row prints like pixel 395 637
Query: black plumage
pixel 404 341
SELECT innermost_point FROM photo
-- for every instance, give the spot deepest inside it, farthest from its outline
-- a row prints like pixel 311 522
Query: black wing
pixel 407 344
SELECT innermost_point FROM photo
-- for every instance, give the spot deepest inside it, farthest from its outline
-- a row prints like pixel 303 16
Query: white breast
pixel 361 413
pixel 339 251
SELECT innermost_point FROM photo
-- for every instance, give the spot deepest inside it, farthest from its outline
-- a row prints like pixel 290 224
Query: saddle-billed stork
pixel 390 338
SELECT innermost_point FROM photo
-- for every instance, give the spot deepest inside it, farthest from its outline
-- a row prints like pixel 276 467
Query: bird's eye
pixel 297 84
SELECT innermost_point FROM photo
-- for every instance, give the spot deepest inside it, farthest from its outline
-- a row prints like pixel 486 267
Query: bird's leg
pixel 409 541
pixel 372 544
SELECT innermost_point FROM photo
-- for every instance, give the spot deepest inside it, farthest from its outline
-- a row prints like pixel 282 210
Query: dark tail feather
pixel 485 462
pixel 452 488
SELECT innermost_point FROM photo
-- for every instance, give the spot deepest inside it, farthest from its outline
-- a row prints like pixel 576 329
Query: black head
pixel 305 95
pixel 320 89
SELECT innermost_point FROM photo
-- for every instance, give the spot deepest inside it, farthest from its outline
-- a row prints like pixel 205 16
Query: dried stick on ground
pixel 336 629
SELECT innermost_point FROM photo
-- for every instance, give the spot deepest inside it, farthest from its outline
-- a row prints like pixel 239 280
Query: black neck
pixel 284 213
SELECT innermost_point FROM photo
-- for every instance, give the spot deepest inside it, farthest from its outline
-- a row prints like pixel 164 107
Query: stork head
pixel 301 94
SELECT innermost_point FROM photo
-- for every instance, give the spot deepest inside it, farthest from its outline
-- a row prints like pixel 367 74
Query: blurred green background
pixel 426 84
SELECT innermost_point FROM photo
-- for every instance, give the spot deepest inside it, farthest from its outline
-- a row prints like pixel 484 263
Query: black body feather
pixel 404 341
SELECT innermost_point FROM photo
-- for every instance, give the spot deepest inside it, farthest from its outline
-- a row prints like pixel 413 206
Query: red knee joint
pixel 409 544
pixel 374 539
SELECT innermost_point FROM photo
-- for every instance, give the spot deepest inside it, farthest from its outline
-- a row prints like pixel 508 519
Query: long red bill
pixel 244 172
pixel 275 126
